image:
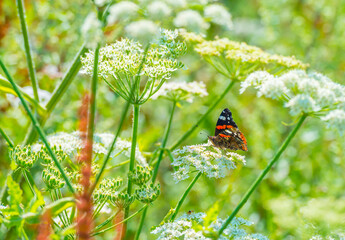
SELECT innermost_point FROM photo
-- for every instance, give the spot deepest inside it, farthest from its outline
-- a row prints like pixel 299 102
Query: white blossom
pixel 211 161
pixel 92 31
pixel 71 143
pixel 143 30
pixel 181 91
pixel 100 3
pixel 122 11
pixel 336 119
pixel 158 10
pixel 190 227
pixel 191 20
pixel 218 15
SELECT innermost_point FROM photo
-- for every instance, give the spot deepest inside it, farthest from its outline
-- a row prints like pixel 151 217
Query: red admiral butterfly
pixel 227 134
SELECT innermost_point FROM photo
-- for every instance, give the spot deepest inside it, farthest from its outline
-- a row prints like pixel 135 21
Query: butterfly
pixel 227 134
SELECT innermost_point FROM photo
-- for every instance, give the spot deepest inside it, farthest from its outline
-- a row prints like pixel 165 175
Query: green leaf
pixel 15 195
pixel 55 208
pixel 6 87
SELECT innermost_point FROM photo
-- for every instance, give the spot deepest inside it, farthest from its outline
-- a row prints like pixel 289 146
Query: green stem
pixel 105 162
pixel 31 65
pixel 125 220
pixel 109 219
pixel 133 149
pixel 58 93
pixel 180 202
pixel 167 132
pixel 8 140
pixel 155 172
pixel 28 181
pixel 263 174
pixel 38 127
pixel 215 103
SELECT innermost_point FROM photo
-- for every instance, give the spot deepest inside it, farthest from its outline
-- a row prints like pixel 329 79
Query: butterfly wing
pixel 227 133
pixel 225 121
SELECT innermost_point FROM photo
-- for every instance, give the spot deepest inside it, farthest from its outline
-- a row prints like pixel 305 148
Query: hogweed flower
pixel 194 226
pixel 218 14
pixel 122 12
pixel 205 158
pixel 147 193
pixel 106 189
pixel 191 37
pixel 237 59
pixel 303 93
pixel 52 177
pixel 181 91
pixel 191 20
pixel 71 143
pixel 119 65
pixel 23 156
pixel 140 175
pixel 143 31
pixel 121 200
pixel 92 31
pixel 158 10
pixel 43 154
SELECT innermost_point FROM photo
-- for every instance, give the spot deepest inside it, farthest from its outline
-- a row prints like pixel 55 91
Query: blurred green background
pixel 303 195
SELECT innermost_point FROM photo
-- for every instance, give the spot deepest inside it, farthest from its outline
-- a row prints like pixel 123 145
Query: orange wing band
pixel 223 135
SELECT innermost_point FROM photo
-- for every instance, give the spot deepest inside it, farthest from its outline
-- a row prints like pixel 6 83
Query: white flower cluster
pixel 181 12
pixel 313 94
pixel 92 31
pixel 71 143
pixel 181 91
pixel 205 158
pixel 125 56
pixel 219 15
pixel 190 227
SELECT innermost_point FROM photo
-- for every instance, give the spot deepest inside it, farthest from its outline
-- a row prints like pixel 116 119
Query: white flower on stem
pixel 181 91
pixel 336 119
pixel 158 10
pixel 191 226
pixel 92 31
pixel 71 144
pixel 205 158
pixel 218 14
pixel 191 20
pixel 122 11
pixel 143 30
pixel 100 3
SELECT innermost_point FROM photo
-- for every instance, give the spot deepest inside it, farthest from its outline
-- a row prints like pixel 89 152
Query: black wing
pixel 225 121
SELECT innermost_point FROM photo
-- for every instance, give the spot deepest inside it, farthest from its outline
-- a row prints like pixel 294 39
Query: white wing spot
pixel 222 118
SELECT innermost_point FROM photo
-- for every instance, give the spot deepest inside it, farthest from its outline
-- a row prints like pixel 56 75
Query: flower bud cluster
pixel 141 175
pixel 52 177
pixel 147 193
pixel 107 188
pixel 23 156
pixel 121 200
pixel 44 155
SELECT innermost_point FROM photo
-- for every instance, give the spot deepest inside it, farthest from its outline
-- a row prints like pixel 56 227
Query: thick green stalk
pixel 180 202
pixel 133 148
pixel 8 140
pixel 263 174
pixel 215 103
pixel 91 117
pixel 31 65
pixel 155 172
pixel 28 182
pixel 38 127
pixel 58 93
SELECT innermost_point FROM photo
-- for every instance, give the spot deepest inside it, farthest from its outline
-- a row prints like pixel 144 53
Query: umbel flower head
pixel 193 226
pixel 313 94
pixel 71 144
pixel 237 59
pixel 147 193
pixel 134 73
pixel 106 189
pixel 23 156
pixel 211 161
pixel 181 91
